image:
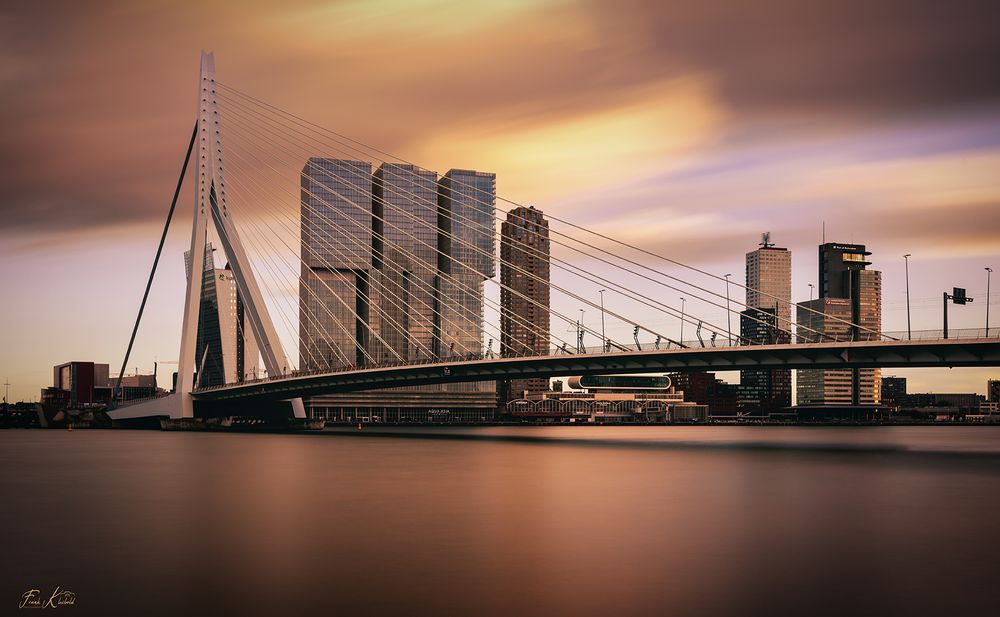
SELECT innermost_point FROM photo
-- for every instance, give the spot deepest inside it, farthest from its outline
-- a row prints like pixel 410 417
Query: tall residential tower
pixel 524 295
pixel 767 320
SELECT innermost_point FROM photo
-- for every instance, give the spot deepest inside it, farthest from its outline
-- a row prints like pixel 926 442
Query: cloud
pixel 834 57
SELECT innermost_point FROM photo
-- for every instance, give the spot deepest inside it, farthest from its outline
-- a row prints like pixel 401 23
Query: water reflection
pixel 591 521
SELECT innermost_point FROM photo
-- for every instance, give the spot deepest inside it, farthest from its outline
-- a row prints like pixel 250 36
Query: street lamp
pixel 604 337
pixel 729 314
pixel 682 322
pixel 906 261
pixel 989 271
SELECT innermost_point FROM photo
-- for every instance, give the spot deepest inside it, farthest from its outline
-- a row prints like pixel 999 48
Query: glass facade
pixel 405 256
pixel 372 284
pixel 467 244
pixel 763 391
pixel 336 224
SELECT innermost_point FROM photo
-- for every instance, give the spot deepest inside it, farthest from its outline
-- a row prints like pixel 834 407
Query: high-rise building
pixel 817 319
pixel 334 290
pixel 467 245
pixel 404 256
pixel 993 390
pixel 227 351
pixel 769 281
pixel 769 390
pixel 832 317
pixel 240 354
pixel 837 264
pixel 524 295
pixel 383 277
pixel 844 277
pixel 767 320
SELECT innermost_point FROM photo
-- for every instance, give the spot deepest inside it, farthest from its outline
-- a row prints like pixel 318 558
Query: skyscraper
pixel 404 256
pixel 467 243
pixel 227 351
pixel 769 280
pixel 524 315
pixel 336 228
pixel 384 277
pixel 827 317
pixel 851 293
pixel 767 321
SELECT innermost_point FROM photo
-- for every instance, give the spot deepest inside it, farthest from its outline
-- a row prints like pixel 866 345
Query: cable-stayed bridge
pixel 384 277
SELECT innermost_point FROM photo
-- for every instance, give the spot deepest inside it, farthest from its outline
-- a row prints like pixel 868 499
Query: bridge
pixel 379 279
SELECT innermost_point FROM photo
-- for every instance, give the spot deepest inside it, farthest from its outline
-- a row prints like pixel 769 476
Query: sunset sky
pixel 685 127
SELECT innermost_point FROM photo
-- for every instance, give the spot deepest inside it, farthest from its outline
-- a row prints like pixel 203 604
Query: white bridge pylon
pixel 210 201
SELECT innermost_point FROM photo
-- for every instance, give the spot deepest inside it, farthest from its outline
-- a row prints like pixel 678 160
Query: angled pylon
pixel 210 201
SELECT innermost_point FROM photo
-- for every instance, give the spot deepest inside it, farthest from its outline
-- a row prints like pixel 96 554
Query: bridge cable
pixel 586 230
pixel 479 250
pixel 352 238
pixel 576 270
pixel 156 260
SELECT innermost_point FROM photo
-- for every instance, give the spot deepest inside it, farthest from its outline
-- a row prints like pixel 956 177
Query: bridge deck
pixel 885 354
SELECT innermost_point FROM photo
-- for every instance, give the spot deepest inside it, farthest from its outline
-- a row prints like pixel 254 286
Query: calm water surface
pixel 506 521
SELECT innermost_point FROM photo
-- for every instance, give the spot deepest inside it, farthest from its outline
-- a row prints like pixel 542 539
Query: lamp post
pixel 989 271
pixel 604 337
pixel 729 314
pixel 906 261
pixel 682 322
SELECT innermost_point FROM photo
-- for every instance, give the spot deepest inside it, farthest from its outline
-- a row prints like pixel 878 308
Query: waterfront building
pixel 828 317
pixel 405 288
pixel 466 241
pixel 961 402
pixel 849 308
pixel 606 399
pixel 993 390
pixel 721 398
pixel 893 390
pixel 404 257
pixel 762 392
pixel 767 320
pixel 524 295
pixel 75 382
pixel 336 231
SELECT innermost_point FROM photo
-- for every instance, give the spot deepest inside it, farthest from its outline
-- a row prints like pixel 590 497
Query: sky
pixel 686 128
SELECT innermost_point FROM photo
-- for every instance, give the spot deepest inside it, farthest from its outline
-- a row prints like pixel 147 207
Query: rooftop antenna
pixel 824 233
pixel 765 240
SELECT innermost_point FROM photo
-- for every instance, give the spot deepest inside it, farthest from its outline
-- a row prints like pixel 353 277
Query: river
pixel 505 521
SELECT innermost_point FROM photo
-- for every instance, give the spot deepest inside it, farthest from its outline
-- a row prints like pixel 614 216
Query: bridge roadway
pixel 979 352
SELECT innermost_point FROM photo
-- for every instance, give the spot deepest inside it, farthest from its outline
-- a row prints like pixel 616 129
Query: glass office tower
pixel 336 224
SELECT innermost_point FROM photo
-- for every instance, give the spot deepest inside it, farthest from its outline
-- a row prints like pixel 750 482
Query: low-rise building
pixel 604 399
